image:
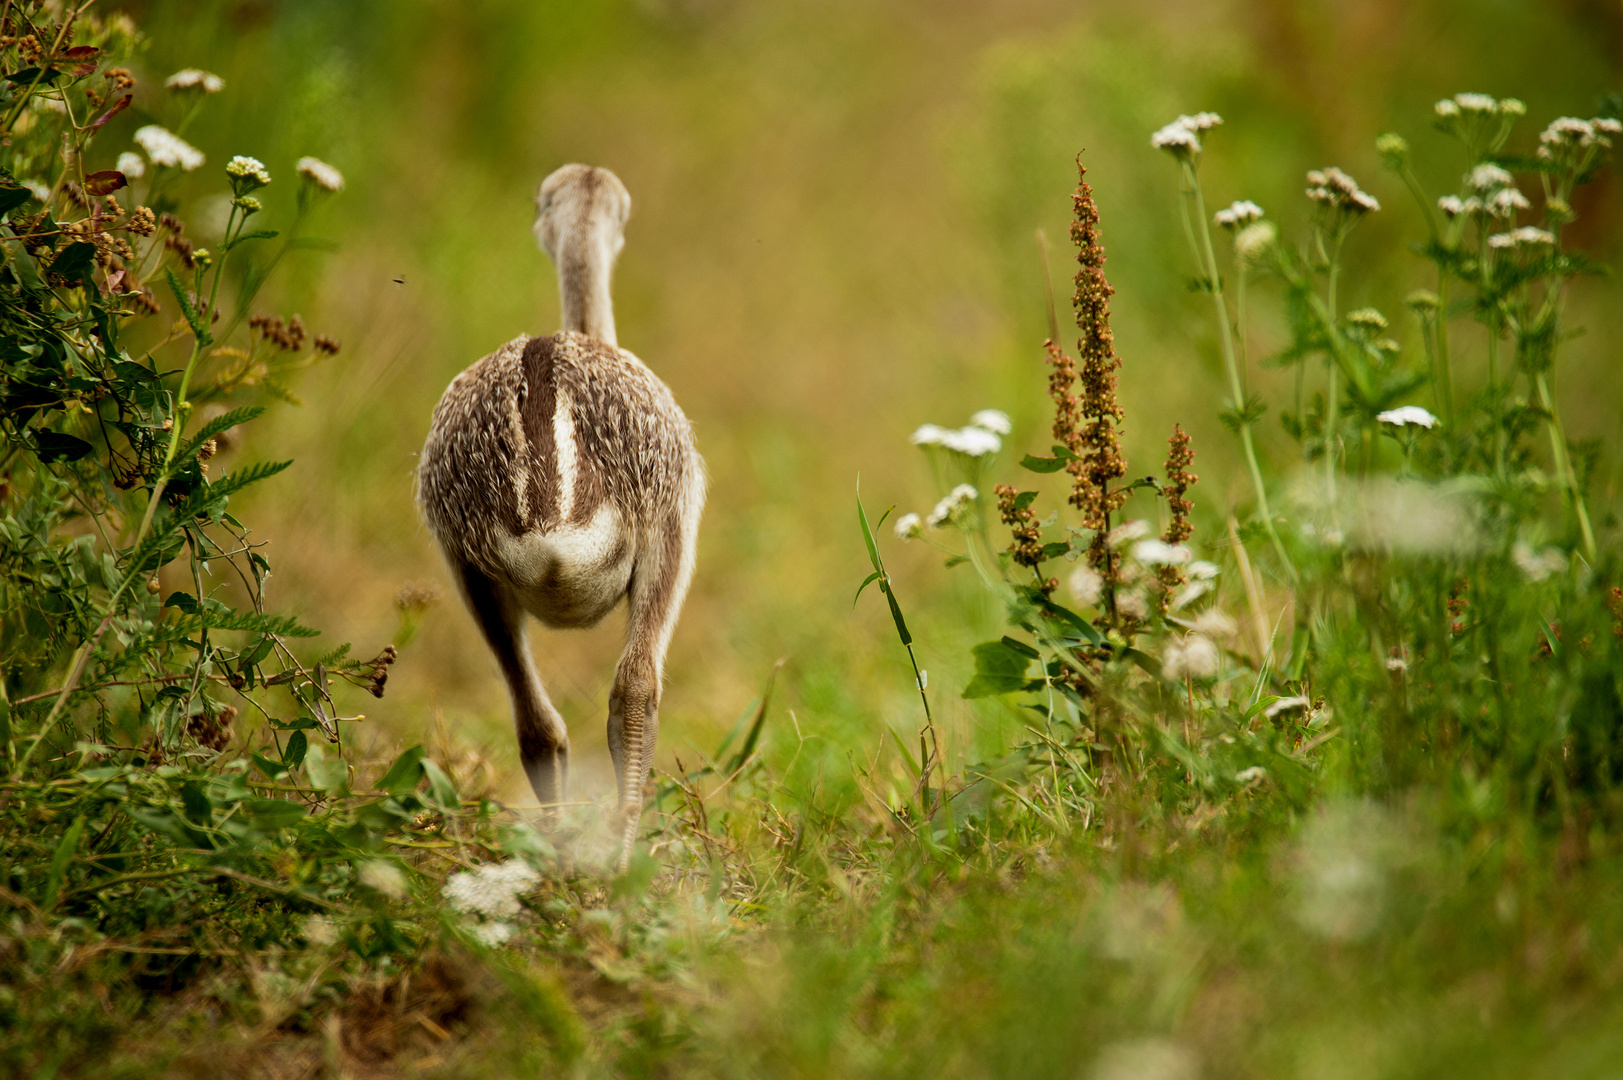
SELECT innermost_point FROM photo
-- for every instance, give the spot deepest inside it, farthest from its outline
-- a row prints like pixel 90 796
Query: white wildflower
pixel 1486 178
pixel 1407 414
pixel 322 174
pixel 1285 704
pixel 194 79
pixel 1128 531
pixel 248 168
pixel 1195 656
pixel 1397 663
pixel 321 930
pixel 994 420
pixel 1367 318
pixel 1339 191
pixel 164 147
pixel 972 441
pixel 1476 103
pixel 132 165
pixel 383 876
pixel 1537 565
pixel 1609 124
pixel 492 935
pixel 951 505
pixel 1154 552
pixel 1246 776
pixel 1568 131
pixel 1201 570
pixel 1526 236
pixel 1201 121
pixel 1254 241
pixel 1214 624
pixel 492 890
pixel 1507 201
pixel 1176 139
pixel 929 435
pixel 1238 213
pixel 909 526
pixel 1451 205
pixel 1086 585
pixel 1188 593
pixel 1133 604
pixel 1511 107
pixel 1446 109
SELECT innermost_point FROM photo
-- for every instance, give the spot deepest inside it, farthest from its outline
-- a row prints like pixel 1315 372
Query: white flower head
pixel 1188 593
pixel 1526 236
pixel 1407 414
pixel 1214 624
pixel 1201 121
pixel 972 441
pixel 1367 318
pixel 248 168
pixel 131 164
pixel 383 876
pixel 1154 552
pixel 1568 131
pixel 1086 585
pixel 492 935
pixel 1446 109
pixel 1451 205
pixel 1286 704
pixel 164 147
pixel 1201 570
pixel 1488 178
pixel 1507 201
pixel 1254 241
pixel 195 79
pixel 1338 191
pixel 492 890
pixel 321 174
pixel 1128 531
pixel 1133 604
pixel 1512 107
pixel 929 435
pixel 1397 663
pixel 1238 213
pixel 909 526
pixel 1195 656
pixel 1177 140
pixel 1537 565
pixel 952 505
pixel 1481 104
pixel 994 420
pixel 1609 124
pixel 322 930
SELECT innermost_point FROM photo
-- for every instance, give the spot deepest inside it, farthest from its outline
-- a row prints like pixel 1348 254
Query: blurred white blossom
pixel 1537 565
pixel 132 165
pixel 909 526
pixel 1086 585
pixel 164 147
pixel 492 890
pixel 952 505
pixel 994 420
pixel 1407 414
pixel 195 79
pixel 320 173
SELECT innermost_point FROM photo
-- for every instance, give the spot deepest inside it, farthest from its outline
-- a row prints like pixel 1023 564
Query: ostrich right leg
pixel 543 740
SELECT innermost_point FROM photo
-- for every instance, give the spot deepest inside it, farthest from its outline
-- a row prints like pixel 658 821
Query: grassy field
pixel 1372 839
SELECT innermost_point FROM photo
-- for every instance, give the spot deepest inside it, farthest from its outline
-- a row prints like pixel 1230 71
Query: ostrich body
pixel 560 476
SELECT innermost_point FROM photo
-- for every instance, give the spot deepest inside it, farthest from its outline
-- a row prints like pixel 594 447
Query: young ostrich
pixel 559 476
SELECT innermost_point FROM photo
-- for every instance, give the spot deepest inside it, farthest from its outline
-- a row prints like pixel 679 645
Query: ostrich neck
pixel 584 270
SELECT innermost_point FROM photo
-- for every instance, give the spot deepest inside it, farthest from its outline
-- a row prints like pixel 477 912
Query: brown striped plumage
pixel 558 477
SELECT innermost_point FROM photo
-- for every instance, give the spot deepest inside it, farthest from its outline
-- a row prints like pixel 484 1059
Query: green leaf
pixel 214 427
pixel 297 746
pixel 59 861
pixel 1000 667
pixel 188 309
pixel 405 773
pixel 199 810
pixel 867 535
pixel 52 446
pixel 440 787
pixel 13 197
pixel 328 774
pixel 271 769
pixel 268 815
pixel 74 259
pixel 262 234
pixel 869 580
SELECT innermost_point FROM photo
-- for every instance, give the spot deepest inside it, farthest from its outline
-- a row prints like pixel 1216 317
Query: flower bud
pixel 1394 150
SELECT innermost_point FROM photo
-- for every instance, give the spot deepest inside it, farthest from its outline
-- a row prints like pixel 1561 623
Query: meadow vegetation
pixel 1249 703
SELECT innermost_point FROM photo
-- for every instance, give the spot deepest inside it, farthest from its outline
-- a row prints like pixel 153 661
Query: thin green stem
pixel 1206 255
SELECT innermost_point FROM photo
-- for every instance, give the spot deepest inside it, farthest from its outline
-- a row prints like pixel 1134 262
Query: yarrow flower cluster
pixel 132 165
pixel 1181 138
pixel 321 174
pixel 1526 236
pixel 978 439
pixel 1335 190
pixel 1194 656
pixel 1477 106
pixel 1254 242
pixel 490 892
pixel 952 506
pixel 1238 214
pixel 195 79
pixel 1407 414
pixel 909 527
pixel 247 173
pixel 164 147
pixel 1367 319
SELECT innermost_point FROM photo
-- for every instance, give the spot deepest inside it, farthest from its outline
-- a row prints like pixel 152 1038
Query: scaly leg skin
pixel 543 740
pixel 659 584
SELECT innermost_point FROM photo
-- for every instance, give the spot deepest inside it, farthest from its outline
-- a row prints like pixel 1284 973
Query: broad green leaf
pixel 268 815
pixel 51 446
pixel 405 773
pixel 440 787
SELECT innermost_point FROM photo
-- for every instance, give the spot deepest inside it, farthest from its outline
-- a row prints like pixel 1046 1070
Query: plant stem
pixel 1206 256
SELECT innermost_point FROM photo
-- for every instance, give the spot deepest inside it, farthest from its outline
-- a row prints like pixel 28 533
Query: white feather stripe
pixel 565 453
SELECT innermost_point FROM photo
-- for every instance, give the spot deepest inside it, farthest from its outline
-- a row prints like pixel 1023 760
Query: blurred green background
pixel 832 242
